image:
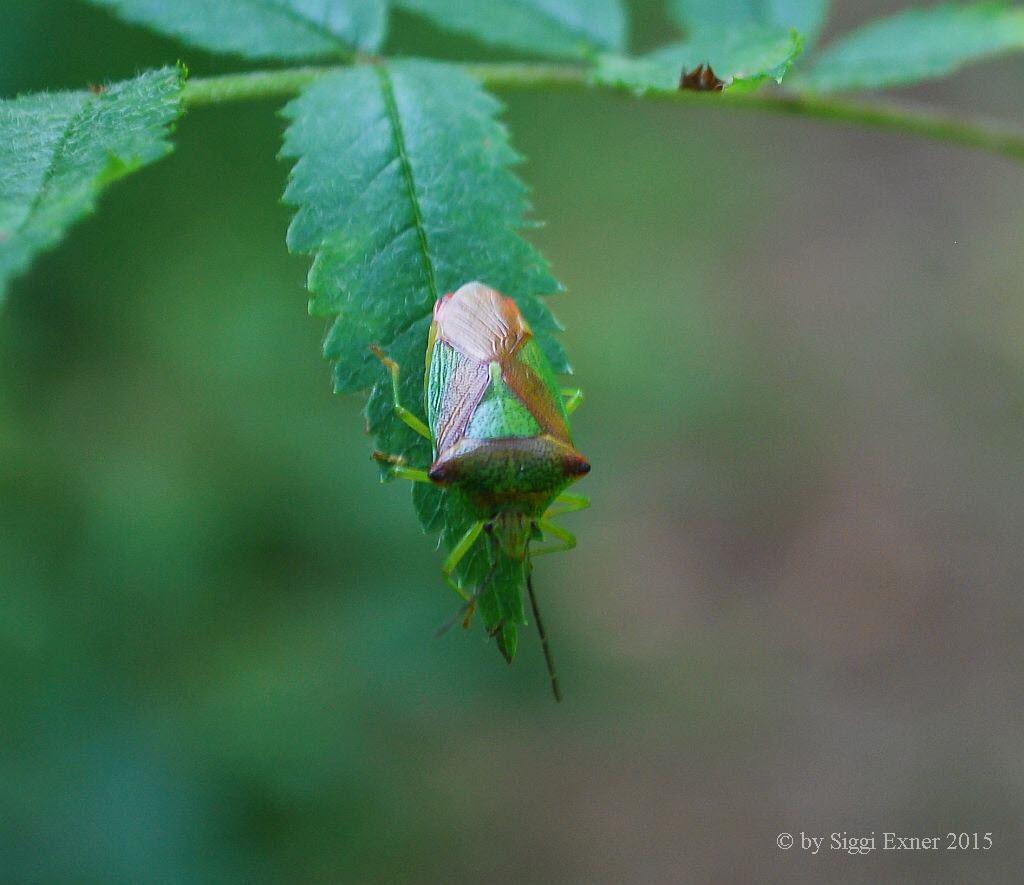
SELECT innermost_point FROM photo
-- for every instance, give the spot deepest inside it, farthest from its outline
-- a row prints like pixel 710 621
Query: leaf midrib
pixel 391 108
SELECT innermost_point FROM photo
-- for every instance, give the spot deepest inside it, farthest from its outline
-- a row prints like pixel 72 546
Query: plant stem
pixel 252 85
pixel 286 82
pixel 983 135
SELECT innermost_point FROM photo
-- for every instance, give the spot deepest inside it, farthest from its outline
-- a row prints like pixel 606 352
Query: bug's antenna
pixel 543 636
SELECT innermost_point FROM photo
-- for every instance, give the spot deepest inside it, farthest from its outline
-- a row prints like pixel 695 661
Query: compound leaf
pixel 59 150
pixel 807 16
pixel 263 28
pixel 404 193
pixel 918 44
pixel 744 57
pixel 560 28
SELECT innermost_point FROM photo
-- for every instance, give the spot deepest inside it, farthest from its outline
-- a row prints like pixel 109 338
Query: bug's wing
pixel 481 323
pixel 536 395
pixel 457 384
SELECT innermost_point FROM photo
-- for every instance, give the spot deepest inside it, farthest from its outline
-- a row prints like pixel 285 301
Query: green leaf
pixel 263 28
pixel 59 150
pixel 744 57
pixel 807 16
pixel 916 45
pixel 560 28
pixel 404 193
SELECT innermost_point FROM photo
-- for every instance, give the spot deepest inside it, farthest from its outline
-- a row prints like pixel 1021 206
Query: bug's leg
pixel 465 614
pixel 567 503
pixel 400 410
pixel 400 469
pixel 573 398
pixel 455 557
pixel 566 539
pixel 412 474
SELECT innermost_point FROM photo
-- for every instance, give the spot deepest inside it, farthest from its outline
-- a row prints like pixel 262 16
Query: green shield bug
pixel 499 426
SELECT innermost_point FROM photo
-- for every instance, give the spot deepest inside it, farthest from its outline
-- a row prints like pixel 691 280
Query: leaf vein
pixel 55 157
pixel 372 180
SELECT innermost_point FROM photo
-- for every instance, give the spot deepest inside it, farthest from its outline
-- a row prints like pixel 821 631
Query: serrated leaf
pixel 744 57
pixel 916 45
pixel 807 16
pixel 59 150
pixel 404 193
pixel 263 28
pixel 560 28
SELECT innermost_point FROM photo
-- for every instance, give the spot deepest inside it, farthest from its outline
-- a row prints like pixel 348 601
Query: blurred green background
pixel 796 603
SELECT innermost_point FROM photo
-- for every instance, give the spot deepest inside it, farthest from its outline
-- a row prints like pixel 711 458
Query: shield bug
pixel 499 426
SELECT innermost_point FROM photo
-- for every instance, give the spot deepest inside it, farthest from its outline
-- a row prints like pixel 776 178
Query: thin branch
pixel 286 82
pixel 281 83
pixel 983 135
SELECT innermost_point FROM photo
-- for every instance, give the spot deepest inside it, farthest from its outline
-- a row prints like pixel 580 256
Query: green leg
pixel 566 539
pixel 411 473
pixel 399 468
pixel 573 398
pixel 400 410
pixel 567 503
pixel 564 503
pixel 456 556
